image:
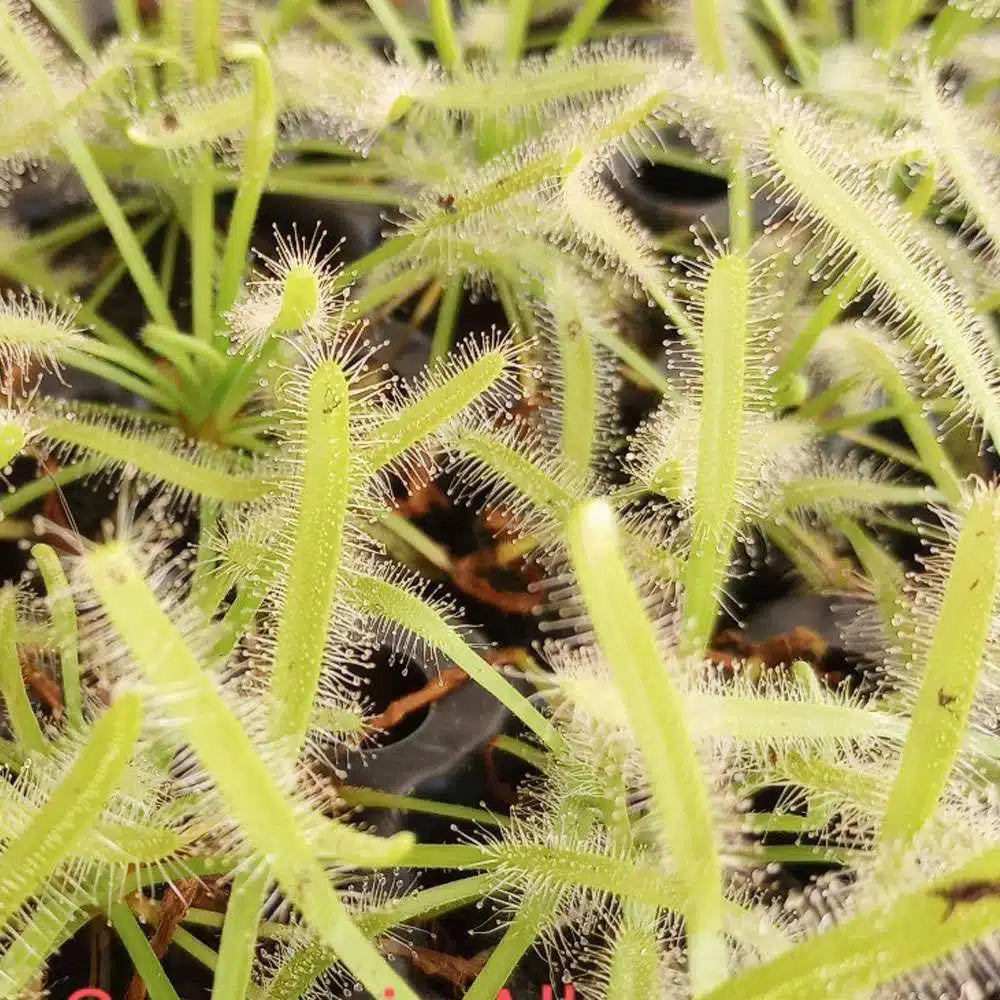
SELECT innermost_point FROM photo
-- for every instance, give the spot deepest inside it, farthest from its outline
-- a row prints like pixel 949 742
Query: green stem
pixel 885 574
pixel 122 233
pixel 83 225
pixel 863 20
pixel 524 751
pixel 239 934
pixel 384 252
pixel 207 589
pixel 146 964
pixel 172 344
pixel 67 25
pixel 402 285
pixel 445 39
pixel 844 291
pixel 118 226
pixel 740 204
pixel 169 401
pixel 581 387
pixel 45 484
pixel 198 950
pixel 241 613
pixel 129 26
pixel 531 918
pixel 642 367
pixel 415 615
pixel 893 21
pixel 157 460
pixel 129 359
pixel 447 317
pixel 518 22
pixel 201 227
pixel 284 17
pixel 709 35
pixel 373 798
pixel 934 458
pixel 811 492
pixel 785 26
pixel 168 258
pixel 879 445
pixel 388 17
pixel 18 52
pixel 579 27
pixel 206 40
pixel 259 151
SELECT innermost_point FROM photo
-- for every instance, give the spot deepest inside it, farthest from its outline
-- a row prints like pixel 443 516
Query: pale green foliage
pixel 200 690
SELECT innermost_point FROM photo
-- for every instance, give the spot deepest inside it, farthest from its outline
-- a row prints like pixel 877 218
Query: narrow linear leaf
pixel 723 352
pixel 951 673
pixel 313 571
pixel 408 611
pixel 159 456
pixel 871 227
pixel 73 807
pixel 59 913
pixel 450 392
pixel 239 935
pixel 878 945
pixel 659 720
pixel 267 814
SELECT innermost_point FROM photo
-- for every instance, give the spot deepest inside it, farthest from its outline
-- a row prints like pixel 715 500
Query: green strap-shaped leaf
pixel 876 232
pixel 59 913
pixel 312 575
pixel 952 670
pixel 880 944
pixel 442 401
pixel 239 934
pixel 108 841
pixel 271 820
pixel 73 807
pixel 724 334
pixel 311 959
pixel 634 967
pixel 152 453
pixel 405 609
pixel 658 718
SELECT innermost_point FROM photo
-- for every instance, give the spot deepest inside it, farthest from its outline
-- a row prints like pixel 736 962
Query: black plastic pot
pixel 442 758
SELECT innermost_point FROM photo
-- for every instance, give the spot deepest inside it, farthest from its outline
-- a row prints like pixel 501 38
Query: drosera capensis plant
pixel 178 688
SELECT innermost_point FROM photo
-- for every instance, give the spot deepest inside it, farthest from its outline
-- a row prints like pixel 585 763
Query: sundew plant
pixel 817 365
